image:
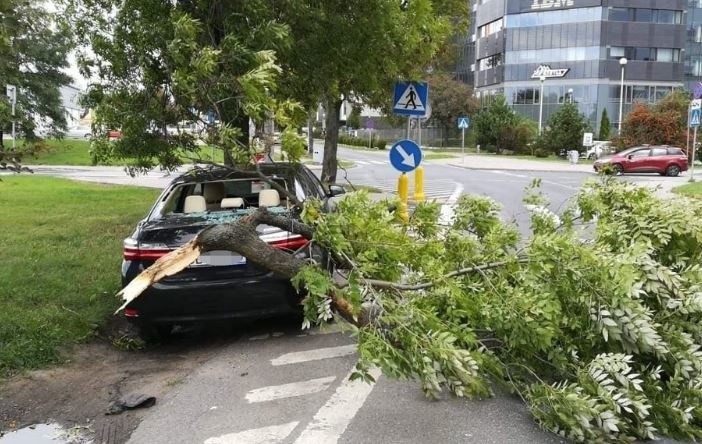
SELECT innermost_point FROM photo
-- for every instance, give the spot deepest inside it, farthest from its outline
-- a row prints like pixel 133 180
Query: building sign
pixel 546 71
pixel 551 4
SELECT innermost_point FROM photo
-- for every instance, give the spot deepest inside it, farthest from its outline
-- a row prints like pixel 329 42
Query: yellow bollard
pixel 403 193
pixel 419 184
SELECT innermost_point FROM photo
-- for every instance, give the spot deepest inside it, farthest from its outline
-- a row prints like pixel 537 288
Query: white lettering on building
pixel 548 4
pixel 549 73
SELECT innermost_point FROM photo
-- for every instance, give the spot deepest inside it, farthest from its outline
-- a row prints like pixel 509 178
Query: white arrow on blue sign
pixel 463 122
pixel 405 155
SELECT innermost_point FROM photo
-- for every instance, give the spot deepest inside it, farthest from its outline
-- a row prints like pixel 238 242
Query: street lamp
pixel 570 95
pixel 541 102
pixel 622 62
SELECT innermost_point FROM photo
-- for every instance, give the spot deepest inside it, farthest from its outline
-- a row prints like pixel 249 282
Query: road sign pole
pixel 694 154
pixel 409 120
pixel 463 145
pixel 370 138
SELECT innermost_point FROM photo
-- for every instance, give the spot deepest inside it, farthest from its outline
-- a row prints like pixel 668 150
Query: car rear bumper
pixel 257 297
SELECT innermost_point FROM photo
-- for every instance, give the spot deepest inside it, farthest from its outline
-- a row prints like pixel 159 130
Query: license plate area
pixel 219 258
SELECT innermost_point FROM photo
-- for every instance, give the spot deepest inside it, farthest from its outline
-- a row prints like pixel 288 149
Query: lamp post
pixel 570 95
pixel 541 102
pixel 622 62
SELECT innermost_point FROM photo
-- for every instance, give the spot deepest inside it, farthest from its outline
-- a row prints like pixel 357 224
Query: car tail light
pixel 133 251
pixel 131 312
pixel 291 243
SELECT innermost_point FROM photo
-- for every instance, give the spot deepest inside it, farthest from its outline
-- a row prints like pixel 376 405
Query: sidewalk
pixel 494 162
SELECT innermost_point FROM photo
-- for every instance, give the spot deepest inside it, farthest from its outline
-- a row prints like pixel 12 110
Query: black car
pixel 220 284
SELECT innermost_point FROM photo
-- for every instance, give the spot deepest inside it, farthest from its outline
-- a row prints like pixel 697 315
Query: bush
pixel 380 144
pixel 540 152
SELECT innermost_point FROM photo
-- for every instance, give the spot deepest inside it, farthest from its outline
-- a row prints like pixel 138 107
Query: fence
pixel 434 137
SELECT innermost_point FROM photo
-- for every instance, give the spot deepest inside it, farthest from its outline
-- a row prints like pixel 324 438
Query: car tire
pixel 617 169
pixel 672 171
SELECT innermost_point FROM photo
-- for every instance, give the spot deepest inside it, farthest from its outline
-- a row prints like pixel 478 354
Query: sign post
pixel 11 91
pixel 405 156
pixel 694 122
pixel 463 124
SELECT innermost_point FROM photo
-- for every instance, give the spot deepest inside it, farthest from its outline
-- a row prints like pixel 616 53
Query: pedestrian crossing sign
pixel 463 123
pixel 695 118
pixel 411 99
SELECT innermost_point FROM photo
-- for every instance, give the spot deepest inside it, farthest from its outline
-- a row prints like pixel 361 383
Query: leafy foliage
pixel 498 128
pixel 605 126
pixel 34 44
pixel 564 130
pixel 664 123
pixel 450 99
pixel 600 338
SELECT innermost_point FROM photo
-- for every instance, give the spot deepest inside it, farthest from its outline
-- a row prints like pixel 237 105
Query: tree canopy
pixel 498 128
pixel 34 46
pixel 450 99
pixel 664 123
pixel 565 130
pixel 182 60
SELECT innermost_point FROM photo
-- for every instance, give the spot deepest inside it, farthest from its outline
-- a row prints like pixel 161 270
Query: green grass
pixel 691 189
pixel 62 152
pixel 60 257
pixel 436 156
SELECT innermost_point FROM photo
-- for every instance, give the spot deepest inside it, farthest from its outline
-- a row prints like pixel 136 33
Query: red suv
pixel 664 160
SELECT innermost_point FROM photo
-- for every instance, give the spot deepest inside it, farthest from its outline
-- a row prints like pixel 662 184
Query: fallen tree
pixel 600 338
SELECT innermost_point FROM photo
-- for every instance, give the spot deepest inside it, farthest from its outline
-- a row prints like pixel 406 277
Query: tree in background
pixel 664 123
pixel 499 128
pixel 357 49
pixel 605 126
pixel 565 130
pixel 450 99
pixel 34 44
pixel 354 118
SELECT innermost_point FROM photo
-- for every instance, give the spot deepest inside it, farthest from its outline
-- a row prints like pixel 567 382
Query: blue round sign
pixel 405 155
pixel 697 91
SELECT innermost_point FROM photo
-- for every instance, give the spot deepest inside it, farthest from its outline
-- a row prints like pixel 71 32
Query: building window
pixel 670 55
pixel 573 54
pixel 646 15
pixel 490 28
pixel 490 62
pixel 557 17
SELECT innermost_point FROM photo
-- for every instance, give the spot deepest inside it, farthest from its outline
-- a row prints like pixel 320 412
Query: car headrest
pixel 194 204
pixel 214 192
pixel 268 198
pixel 232 202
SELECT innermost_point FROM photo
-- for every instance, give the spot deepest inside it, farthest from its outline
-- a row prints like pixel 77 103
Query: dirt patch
pixel 79 393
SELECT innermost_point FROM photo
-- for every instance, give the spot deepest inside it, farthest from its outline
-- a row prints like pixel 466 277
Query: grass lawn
pixel 691 189
pixel 61 253
pixel 62 152
pixel 435 156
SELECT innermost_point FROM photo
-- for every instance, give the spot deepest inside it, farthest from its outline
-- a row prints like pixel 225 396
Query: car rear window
pixel 214 192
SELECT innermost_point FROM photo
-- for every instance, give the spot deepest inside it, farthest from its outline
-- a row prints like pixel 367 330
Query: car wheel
pixel 591 157
pixel 617 169
pixel 672 170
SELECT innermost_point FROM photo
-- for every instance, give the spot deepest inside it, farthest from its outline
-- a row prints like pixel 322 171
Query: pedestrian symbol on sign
pixel 411 99
pixel 695 118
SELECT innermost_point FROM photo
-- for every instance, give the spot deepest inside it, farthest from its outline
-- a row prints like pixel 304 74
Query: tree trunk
pixel 331 141
pixel 310 135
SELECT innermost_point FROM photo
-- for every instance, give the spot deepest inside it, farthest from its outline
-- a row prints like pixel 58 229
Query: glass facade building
pixel 578 44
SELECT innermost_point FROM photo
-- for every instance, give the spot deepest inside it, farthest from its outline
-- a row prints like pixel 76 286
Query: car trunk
pixel 171 232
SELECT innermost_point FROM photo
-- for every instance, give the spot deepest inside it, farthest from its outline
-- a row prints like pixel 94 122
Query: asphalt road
pixel 281 385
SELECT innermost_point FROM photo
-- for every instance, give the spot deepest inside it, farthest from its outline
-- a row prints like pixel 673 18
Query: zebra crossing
pixel 441 190
pixel 329 422
pixel 370 162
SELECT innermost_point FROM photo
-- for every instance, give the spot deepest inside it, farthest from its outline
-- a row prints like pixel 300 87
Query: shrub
pixel 381 144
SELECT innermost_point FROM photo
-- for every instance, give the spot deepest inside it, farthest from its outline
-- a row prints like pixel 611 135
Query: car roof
pixel 215 172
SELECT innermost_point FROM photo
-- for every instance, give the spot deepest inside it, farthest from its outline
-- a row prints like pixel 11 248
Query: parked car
pixel 220 284
pixel 79 132
pixel 665 160
pixel 114 134
pixel 597 150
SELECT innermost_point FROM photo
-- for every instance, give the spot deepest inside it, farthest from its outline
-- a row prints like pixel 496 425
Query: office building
pixel 577 50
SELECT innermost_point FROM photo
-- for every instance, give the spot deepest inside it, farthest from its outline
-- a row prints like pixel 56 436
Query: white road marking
pixel 293 389
pixel 453 198
pixel 264 435
pixel 361 162
pixel 331 420
pixel 377 162
pixel 314 355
